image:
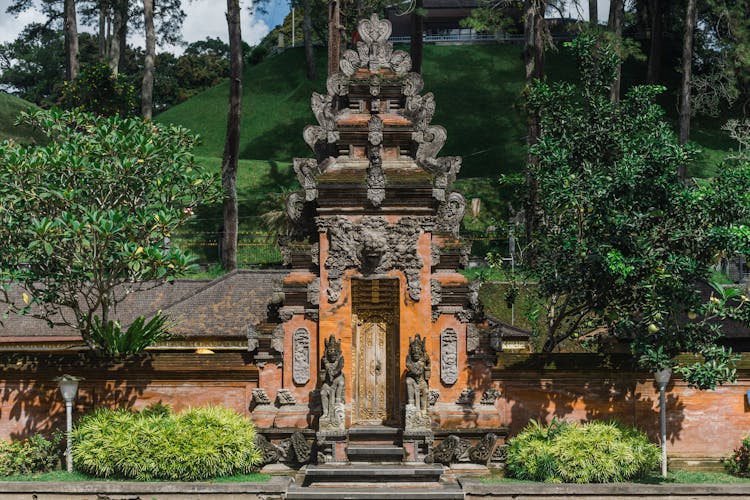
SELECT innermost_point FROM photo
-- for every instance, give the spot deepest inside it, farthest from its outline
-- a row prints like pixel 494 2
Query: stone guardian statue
pixel 418 372
pixel 332 391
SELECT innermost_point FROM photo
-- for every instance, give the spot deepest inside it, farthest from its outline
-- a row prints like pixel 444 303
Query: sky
pixel 205 18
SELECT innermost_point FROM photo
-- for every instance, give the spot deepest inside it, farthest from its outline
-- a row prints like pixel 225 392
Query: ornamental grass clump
pixel 595 452
pixel 196 444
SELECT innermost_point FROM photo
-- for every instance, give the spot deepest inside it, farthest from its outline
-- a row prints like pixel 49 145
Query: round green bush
pixel 197 444
pixel 595 452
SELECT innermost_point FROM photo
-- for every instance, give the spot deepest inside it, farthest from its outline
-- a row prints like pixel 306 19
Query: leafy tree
pixel 97 90
pixel 621 244
pixel 86 219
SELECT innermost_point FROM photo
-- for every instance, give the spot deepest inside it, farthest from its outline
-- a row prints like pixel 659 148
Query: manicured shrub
pixel 595 452
pixel 199 443
pixel 738 463
pixel 35 454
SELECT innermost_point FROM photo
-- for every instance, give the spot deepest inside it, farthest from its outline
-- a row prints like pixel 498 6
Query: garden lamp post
pixel 662 379
pixel 69 388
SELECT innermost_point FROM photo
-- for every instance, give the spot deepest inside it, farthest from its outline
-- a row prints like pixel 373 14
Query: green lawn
pixel 10 108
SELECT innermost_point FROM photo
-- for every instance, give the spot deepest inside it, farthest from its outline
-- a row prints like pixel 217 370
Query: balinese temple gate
pixel 375 336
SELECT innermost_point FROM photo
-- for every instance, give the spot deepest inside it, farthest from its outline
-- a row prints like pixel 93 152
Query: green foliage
pixel 35 454
pixel 10 108
pixel 621 243
pixel 87 217
pixel 96 90
pixel 117 343
pixel 595 452
pixel 194 445
pixel 738 463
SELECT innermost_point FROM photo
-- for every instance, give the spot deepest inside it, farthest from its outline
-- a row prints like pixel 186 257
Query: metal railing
pixel 469 38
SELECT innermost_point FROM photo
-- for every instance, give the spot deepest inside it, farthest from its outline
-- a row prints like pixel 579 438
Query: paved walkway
pixel 276 489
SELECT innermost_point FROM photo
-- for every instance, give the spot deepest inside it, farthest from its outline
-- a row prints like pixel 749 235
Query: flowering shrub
pixel 738 463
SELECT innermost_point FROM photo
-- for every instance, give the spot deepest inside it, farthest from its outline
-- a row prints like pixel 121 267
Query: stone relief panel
pixel 472 338
pixel 285 397
pixel 375 177
pixel 375 247
pixel 449 356
pixel 301 356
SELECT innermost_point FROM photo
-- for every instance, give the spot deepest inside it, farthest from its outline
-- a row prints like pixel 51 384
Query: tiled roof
pixel 223 307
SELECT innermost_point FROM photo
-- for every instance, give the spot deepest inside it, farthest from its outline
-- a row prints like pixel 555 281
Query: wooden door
pixel 373 369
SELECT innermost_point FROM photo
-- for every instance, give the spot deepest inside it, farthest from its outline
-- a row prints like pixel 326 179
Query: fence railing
pixel 475 38
pixel 258 249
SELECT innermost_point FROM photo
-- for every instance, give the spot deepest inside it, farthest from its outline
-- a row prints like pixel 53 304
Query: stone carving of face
pixel 331 351
pixel 416 350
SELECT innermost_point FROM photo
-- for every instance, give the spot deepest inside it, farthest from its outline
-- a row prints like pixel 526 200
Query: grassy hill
pixel 476 90
pixel 10 107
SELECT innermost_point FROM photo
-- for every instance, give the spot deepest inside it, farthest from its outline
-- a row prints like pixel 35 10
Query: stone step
pixel 375 434
pixel 376 492
pixel 368 473
pixel 374 453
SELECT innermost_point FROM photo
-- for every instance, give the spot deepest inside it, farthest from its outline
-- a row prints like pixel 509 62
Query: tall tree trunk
pixel 533 31
pixel 334 36
pixel 102 34
pixel 687 70
pixel 657 39
pixel 307 35
pixel 71 40
pixel 232 144
pixel 593 12
pixel 119 36
pixel 147 87
pixel 616 13
pixel 417 34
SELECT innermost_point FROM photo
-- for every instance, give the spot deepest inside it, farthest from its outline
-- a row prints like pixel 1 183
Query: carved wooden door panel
pixel 372 370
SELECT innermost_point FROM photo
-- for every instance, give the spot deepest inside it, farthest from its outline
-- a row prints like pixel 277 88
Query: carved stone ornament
pixel 375 177
pixel 285 397
pixel 436 292
pixel 375 130
pixel 270 453
pixel 313 292
pixel 496 340
pixel 472 338
pixel 307 170
pixel 489 396
pixel 420 108
pixel 374 247
pixel 429 143
pixel 301 356
pixel 474 287
pixel 374 86
pixel 295 207
pixel 277 339
pixel 451 213
pixel 433 396
pixel 295 449
pixel 434 255
pixel 252 338
pixel 451 450
pixel 482 452
pixel 260 397
pixel 418 370
pixel 412 84
pixel 445 170
pixel 337 84
pixel 449 356
pixel 332 390
pixel 374 51
pixel 466 397
pixel 500 454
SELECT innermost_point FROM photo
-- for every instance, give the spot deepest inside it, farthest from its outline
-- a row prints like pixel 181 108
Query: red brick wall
pixel 30 400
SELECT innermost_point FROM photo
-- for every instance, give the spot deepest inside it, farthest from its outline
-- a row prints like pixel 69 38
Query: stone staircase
pixel 376 471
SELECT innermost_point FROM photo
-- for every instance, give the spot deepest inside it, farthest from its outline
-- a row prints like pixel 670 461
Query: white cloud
pixel 11 26
pixel 204 18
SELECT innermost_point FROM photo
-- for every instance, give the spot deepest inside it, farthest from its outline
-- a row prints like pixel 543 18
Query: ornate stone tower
pixel 374 251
